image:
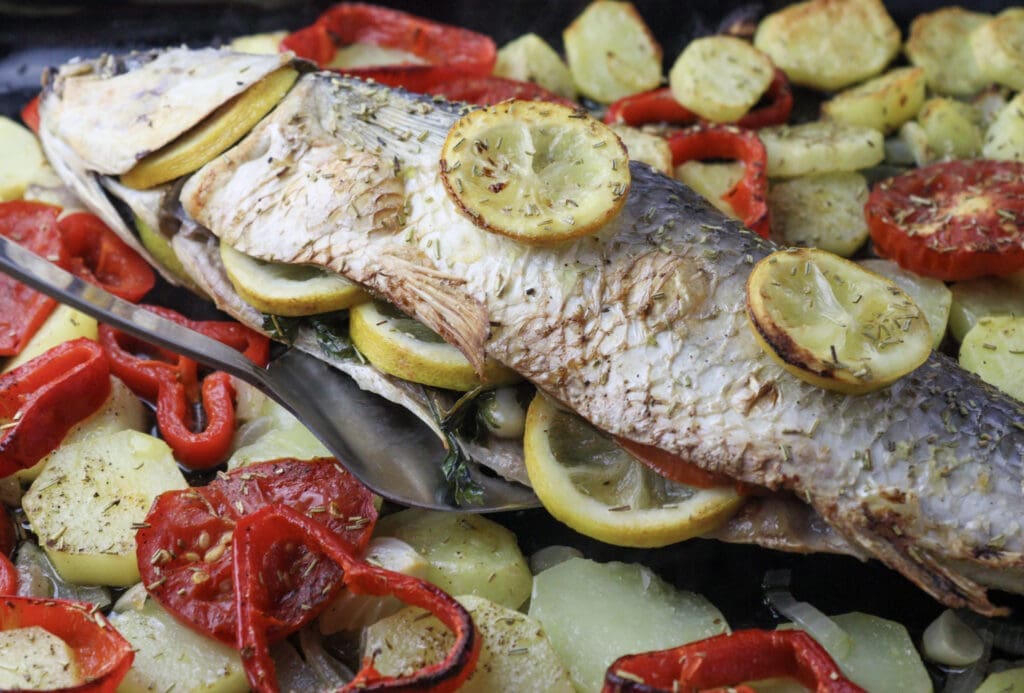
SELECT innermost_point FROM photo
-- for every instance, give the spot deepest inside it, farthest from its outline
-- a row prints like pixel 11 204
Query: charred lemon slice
pixel 289 290
pixel 215 134
pixel 587 481
pixel 407 349
pixel 539 172
pixel 833 323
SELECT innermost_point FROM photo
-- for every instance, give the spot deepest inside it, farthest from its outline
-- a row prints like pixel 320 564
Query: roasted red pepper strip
pixel 99 256
pixel 172 381
pixel 32 225
pixel 749 196
pixel 102 655
pixel 8 576
pixel 30 115
pixel 729 660
pixel 449 51
pixel 486 91
pixel 188 533
pixel 660 106
pixel 43 398
pixel 259 536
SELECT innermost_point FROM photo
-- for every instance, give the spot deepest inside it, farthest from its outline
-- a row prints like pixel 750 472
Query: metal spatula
pixel 383 445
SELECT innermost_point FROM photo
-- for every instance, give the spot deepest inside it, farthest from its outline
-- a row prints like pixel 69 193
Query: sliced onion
pixel 332 673
pixel 292 672
pixel 550 556
pixel 807 617
pixel 38 578
pixel 948 640
pixel 1008 637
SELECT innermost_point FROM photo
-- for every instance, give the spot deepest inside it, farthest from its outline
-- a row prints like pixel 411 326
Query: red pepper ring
pixel 660 106
pixel 100 257
pixel 449 51
pixel 254 538
pixel 206 448
pixel 728 660
pixel 44 398
pixel 749 197
pixel 102 654
pixel 30 114
pixel 8 576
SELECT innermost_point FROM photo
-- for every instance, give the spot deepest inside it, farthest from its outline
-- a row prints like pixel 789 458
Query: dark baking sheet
pixel 38 34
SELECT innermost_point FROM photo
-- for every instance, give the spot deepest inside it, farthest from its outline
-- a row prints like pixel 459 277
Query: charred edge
pixel 788 350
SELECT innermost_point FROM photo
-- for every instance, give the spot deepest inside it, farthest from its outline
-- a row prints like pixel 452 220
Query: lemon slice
pixel 407 349
pixel 539 172
pixel 277 288
pixel 215 134
pixel 587 481
pixel 833 323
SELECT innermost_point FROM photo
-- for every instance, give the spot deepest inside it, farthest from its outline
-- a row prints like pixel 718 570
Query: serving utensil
pixel 384 446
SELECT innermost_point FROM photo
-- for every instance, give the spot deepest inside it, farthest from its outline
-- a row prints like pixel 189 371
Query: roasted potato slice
pixel 611 52
pixel 820 147
pixel 883 103
pixel 998 47
pixel 994 350
pixel 643 146
pixel 712 181
pixel 824 211
pixel 953 129
pixel 529 58
pixel 22 159
pixel 1004 138
pixel 939 42
pixel 830 44
pixel 720 77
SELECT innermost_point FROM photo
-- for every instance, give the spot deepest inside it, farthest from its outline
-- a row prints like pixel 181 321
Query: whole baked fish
pixel 639 328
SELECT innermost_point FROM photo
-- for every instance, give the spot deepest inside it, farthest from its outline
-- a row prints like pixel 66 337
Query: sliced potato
pixel 939 42
pixel 998 47
pixel 824 211
pixel 994 349
pixel 833 324
pixel 643 146
pixel 830 44
pixel 169 655
pixel 882 103
pixel 820 147
pixel 981 298
pixel 1004 138
pixel 268 43
pixel 277 288
pixel 469 554
pixel 22 161
pixel 611 52
pixel 405 348
pixel 271 434
pixel 215 134
pixel 711 181
pixel 1006 681
pixel 85 503
pixel 720 77
pixel 372 55
pixel 952 129
pixel 515 653
pixel 34 659
pixel 539 172
pixel 931 295
pixel 596 612
pixel 529 58
pixel 64 324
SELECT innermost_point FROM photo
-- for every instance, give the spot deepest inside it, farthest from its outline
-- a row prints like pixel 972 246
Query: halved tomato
pixel 953 220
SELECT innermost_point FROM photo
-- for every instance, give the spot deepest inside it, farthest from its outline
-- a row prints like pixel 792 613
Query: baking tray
pixel 39 34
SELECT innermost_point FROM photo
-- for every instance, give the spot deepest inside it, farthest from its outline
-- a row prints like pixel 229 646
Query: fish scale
pixel 640 328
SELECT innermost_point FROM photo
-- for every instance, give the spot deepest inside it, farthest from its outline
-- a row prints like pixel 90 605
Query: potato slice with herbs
pixel 1004 138
pixel 86 502
pixel 215 134
pixel 975 299
pixel 64 324
pixel 720 77
pixel 36 660
pixel 883 103
pixel 22 161
pixel 820 147
pixel 834 324
pixel 277 288
pixel 939 42
pixel 529 58
pixel 611 52
pixel 994 350
pixel 830 44
pixel 824 211
pixel 643 146
pixel 712 181
pixel 268 43
pixel 952 129
pixel 998 47
pixel 541 173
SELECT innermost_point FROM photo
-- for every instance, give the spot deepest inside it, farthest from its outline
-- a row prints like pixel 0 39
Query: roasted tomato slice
pixel 953 220
pixel 184 549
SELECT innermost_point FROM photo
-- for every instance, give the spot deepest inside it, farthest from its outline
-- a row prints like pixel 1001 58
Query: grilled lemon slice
pixel 833 323
pixel 220 130
pixel 278 288
pixel 539 172
pixel 407 349
pixel 588 482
